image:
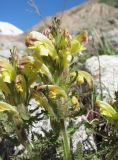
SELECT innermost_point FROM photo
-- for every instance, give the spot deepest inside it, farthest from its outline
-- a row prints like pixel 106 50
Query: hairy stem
pixel 67 151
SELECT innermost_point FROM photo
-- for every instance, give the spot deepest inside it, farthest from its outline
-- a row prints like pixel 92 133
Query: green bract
pixel 7 72
pixel 7 107
pixel 3 87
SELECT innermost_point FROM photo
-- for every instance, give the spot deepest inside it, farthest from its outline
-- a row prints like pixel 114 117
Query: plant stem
pixel 67 151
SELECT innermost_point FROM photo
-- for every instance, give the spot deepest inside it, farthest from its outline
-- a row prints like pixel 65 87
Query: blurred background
pixel 98 17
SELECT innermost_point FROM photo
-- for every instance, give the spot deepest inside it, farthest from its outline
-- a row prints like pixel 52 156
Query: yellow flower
pixel 78 42
pixel 75 103
pixel 107 110
pixel 41 44
pixel 82 77
pixel 20 83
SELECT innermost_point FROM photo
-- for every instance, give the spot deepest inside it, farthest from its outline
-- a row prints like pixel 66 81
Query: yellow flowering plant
pixel 44 75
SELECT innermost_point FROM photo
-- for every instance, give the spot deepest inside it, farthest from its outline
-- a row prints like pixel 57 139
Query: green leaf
pixel 7 107
pixel 44 103
pixel 78 155
pixel 22 109
pixel 3 87
pixel 44 70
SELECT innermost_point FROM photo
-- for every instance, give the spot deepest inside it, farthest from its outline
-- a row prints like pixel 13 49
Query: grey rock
pixel 113 21
pixel 8 42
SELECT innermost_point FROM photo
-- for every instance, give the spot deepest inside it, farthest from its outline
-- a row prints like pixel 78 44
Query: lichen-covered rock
pixel 82 137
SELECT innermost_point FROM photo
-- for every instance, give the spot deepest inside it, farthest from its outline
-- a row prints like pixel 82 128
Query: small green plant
pixel 105 47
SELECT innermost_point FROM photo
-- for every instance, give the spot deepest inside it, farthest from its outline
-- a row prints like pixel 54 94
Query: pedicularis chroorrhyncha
pixel 46 75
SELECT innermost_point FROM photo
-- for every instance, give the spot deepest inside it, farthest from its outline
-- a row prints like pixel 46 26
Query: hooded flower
pixel 82 77
pixel 41 44
pixel 75 103
pixel 107 110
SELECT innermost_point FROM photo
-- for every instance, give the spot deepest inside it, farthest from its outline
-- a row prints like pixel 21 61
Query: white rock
pixel 9 29
pixel 108 73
